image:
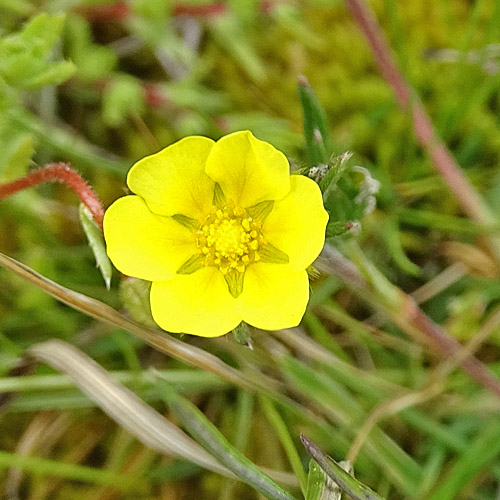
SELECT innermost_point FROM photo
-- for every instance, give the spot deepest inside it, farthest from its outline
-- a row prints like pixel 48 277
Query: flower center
pixel 230 239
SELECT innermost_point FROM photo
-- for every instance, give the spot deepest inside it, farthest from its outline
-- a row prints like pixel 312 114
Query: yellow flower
pixel 222 230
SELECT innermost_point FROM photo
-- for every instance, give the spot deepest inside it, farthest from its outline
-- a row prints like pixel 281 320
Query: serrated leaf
pixel 96 243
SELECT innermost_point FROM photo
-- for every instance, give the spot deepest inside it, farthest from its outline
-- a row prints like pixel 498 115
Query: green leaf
pixel 25 57
pixel 96 242
pixel 123 98
pixel 55 74
pixel 349 484
pixel 92 61
pixel 216 444
pixel 318 142
pixel 19 161
pixel 286 440
pixel 391 235
pixel 320 486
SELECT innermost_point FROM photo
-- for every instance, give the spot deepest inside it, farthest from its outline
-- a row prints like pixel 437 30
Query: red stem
pixel 59 172
pixel 202 10
pixel 410 318
pixel 443 161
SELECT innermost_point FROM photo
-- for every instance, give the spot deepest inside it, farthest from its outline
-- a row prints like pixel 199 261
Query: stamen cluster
pixel 230 239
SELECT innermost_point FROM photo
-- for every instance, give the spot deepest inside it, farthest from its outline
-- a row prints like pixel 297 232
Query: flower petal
pixel 174 181
pixel 198 304
pixel 297 223
pixel 273 297
pixel 142 244
pixel 248 170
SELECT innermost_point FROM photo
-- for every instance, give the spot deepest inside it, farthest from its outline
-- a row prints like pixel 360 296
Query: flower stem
pixel 58 172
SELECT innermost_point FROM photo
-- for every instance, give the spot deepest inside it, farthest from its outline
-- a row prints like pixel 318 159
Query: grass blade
pixel 122 405
pixel 214 442
pixel 355 489
pixel 316 132
pixel 281 430
pixel 320 486
pixel 74 472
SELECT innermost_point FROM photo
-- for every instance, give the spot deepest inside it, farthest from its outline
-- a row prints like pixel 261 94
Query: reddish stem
pixel 59 172
pixel 443 161
pixel 153 96
pixel 410 318
pixel 112 12
pixel 204 10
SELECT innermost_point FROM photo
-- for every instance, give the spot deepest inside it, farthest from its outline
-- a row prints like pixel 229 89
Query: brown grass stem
pixel 407 99
pixel 408 317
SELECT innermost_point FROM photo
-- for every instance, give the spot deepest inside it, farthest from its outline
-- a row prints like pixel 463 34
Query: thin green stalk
pixel 54 468
pixel 243 423
pixel 219 447
pixel 286 440
pixel 183 379
pixel 481 452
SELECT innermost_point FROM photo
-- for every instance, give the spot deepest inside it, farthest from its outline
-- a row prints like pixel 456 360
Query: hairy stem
pixel 59 172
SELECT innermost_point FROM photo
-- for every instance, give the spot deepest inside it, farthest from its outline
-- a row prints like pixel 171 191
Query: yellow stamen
pixel 229 238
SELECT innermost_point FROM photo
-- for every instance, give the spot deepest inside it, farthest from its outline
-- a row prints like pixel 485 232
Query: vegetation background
pixel 102 84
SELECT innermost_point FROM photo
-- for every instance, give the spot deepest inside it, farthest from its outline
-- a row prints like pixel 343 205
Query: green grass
pixel 358 354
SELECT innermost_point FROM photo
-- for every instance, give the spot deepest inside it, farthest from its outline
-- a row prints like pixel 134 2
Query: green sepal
pixel 134 294
pixel 261 210
pixel 186 221
pixel 242 335
pixel 313 273
pixel 234 280
pixel 96 243
pixel 272 255
pixel 193 264
pixel 219 196
pixel 334 228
